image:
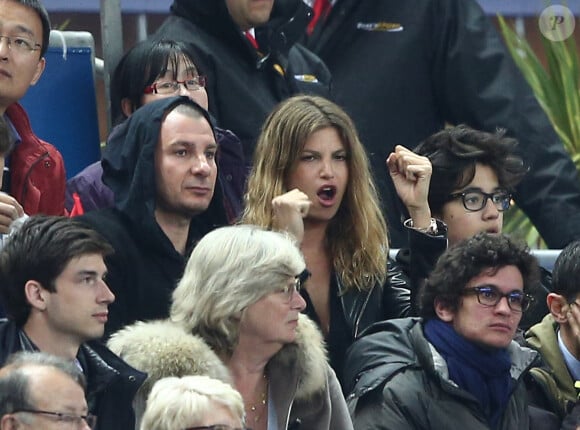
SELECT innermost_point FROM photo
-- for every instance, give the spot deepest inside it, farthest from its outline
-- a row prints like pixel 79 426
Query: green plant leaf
pixel 557 91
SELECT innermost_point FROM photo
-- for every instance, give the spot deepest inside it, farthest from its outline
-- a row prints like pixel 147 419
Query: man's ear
pixel 35 294
pixel 127 107
pixel 8 422
pixel 558 306
pixel 444 311
pixel 39 69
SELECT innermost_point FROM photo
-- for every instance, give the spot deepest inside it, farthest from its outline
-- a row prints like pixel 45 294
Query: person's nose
pixel 4 47
pixel 327 169
pixel 490 210
pixel 107 295
pixel 183 91
pixel 503 307
pixel 298 301
pixel 201 166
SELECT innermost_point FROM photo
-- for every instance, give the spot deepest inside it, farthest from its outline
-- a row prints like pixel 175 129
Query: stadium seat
pixel 62 106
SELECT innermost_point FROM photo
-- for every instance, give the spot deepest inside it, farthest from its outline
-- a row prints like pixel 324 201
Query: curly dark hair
pixel 455 151
pixel 470 258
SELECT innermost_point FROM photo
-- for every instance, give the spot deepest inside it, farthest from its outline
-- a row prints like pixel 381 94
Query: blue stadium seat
pixel 62 106
pixel 546 257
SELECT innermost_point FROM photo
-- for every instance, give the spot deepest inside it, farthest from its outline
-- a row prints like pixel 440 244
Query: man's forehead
pixel 179 127
pixel 86 262
pixel 19 18
pixel 497 276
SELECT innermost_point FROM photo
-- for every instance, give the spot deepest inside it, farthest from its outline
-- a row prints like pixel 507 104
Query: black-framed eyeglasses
pixel 21 44
pixel 69 419
pixel 489 295
pixel 217 427
pixel 297 285
pixel 475 200
pixel 171 87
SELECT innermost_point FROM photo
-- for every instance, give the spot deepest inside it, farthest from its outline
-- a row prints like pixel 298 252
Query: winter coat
pixel 397 380
pixel 553 386
pixel 244 85
pixel 111 382
pixel 395 299
pixel 404 68
pixel 37 175
pixel 162 349
pixel 302 386
pixel 145 267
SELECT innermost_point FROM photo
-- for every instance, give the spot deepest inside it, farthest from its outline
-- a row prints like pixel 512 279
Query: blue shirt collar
pixel 572 363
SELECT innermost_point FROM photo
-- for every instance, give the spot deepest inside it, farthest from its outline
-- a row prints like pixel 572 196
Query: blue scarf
pixel 484 373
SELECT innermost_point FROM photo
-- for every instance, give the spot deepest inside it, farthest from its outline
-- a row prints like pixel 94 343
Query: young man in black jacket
pixel 457 367
pixel 52 274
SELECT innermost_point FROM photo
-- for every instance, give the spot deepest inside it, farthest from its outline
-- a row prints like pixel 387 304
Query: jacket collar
pixel 308 356
pixel 286 26
pixel 29 141
pixel 162 348
pixel 391 346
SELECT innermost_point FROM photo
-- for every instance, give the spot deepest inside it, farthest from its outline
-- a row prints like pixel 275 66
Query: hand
pixel 290 209
pixel 411 174
pixel 10 210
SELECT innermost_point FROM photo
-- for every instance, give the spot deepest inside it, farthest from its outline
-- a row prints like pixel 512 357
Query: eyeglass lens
pixel 475 200
pixel 489 295
pixel 193 84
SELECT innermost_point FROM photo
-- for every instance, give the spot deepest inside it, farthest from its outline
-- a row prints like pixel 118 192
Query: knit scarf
pixel 484 373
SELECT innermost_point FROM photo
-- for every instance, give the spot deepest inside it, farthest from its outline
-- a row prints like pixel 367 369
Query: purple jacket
pixel 232 173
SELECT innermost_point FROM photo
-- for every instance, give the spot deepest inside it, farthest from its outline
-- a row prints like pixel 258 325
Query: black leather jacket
pixel 111 383
pixel 394 299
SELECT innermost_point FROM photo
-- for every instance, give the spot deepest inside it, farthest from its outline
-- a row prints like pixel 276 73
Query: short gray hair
pixel 15 381
pixel 230 269
pixel 176 403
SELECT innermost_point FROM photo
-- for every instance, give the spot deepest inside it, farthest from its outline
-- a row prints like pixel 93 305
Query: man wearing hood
pixel 162 170
pixel 248 52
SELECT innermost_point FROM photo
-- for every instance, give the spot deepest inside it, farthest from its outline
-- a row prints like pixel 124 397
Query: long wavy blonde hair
pixel 357 236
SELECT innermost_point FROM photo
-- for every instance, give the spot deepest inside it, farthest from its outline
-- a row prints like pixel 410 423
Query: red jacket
pixel 37 175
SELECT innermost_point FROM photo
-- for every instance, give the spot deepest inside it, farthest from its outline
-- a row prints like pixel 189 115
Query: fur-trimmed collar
pixel 309 354
pixel 161 348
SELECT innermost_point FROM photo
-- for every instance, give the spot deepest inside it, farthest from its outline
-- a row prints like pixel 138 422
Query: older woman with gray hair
pixel 193 402
pixel 239 297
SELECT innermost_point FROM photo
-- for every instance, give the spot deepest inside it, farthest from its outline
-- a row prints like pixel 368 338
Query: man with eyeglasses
pixel 557 337
pixel 34 176
pixel 457 367
pixel 403 69
pixel 473 178
pixel 42 391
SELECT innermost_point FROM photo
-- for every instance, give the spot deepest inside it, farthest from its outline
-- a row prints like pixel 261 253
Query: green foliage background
pixel 556 88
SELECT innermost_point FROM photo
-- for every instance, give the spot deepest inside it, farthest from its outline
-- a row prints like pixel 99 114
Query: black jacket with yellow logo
pixel 244 85
pixel 404 68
